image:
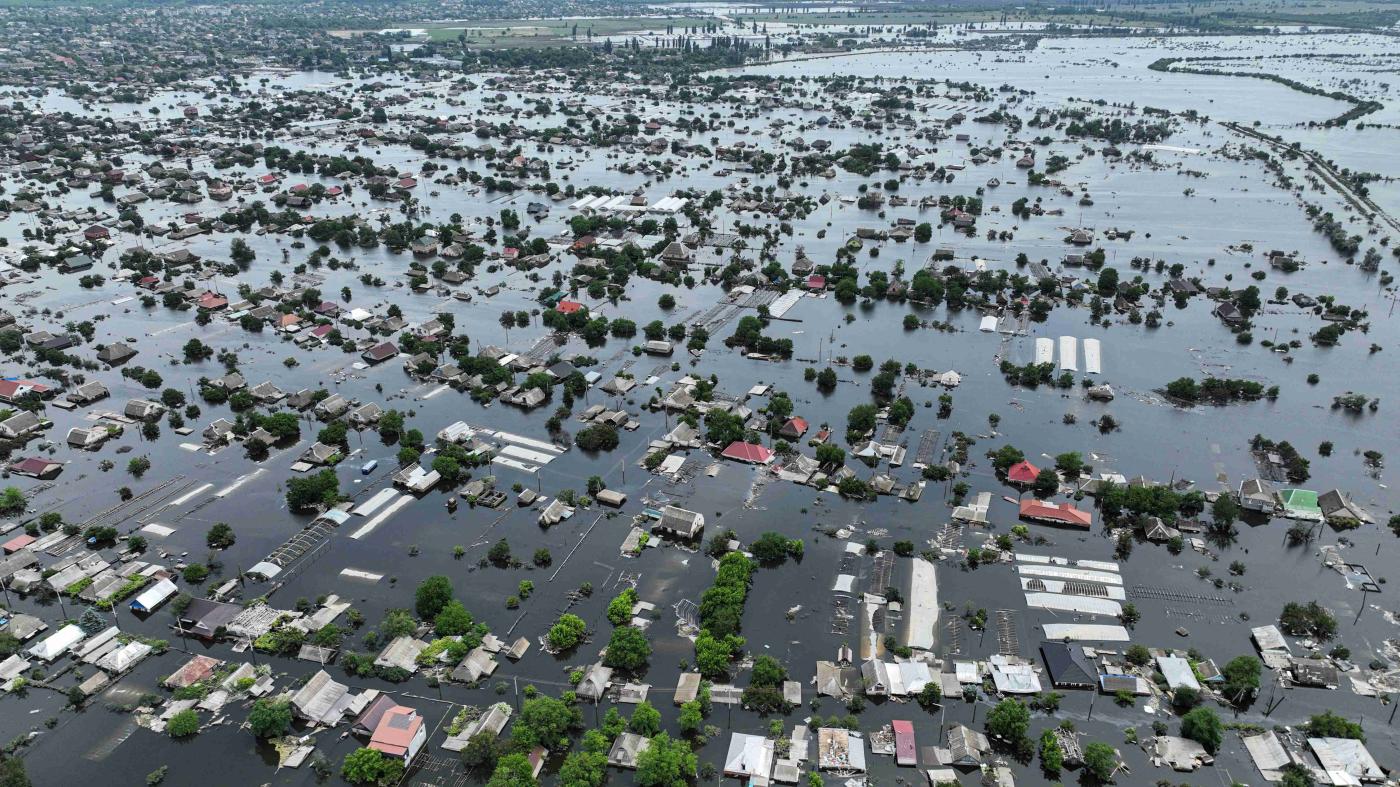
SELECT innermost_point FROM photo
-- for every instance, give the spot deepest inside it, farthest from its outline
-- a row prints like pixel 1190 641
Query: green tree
pixel 583 769
pixel 646 720
pixel 628 649
pixel 1047 483
pixel 1008 721
pixel 370 766
pixel 930 696
pixel 713 655
pixel 691 718
pixel 1100 761
pixel 1307 620
pixel 545 721
pixel 183 724
pixel 481 751
pixel 1108 282
pixel 513 770
pixel 1224 511
pixel 620 608
pixel 665 763
pixel 1070 463
pixel 722 428
pixel 1052 757
pixel 12 773
pixel 270 719
pixel 1330 725
pixel 830 455
pixel 499 554
pixel 1203 726
pixel 307 492
pixel 860 421
pixel 770 549
pixel 1241 679
pixel 432 595
pixel 767 672
pixel 452 620
pixel 1006 456
pixel 11 500
pixel 220 536
pixel 597 437
pixel 567 632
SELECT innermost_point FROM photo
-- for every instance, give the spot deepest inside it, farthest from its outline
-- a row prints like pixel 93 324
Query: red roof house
pixel 97 232
pixel 36 467
pixel 904 749
pixel 752 453
pixel 194 671
pixel 1022 472
pixel 816 282
pixel 794 428
pixel 18 542
pixel 380 352
pixel 212 301
pixel 568 307
pixel 400 733
pixel 12 390
pixel 1053 514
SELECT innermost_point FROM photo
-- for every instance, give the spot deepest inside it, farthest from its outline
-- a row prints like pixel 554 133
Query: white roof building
pixel 750 757
pixel 58 643
pixel 1178 672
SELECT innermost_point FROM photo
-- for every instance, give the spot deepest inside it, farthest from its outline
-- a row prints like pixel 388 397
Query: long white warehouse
pixel 1069 354
pixel 1093 361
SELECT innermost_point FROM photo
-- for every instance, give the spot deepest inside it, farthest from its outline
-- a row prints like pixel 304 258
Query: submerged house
pixel 1256 495
pixel 1338 509
pixel 680 522
pixel 1064 514
pixel 1067 665
pixel 400 733
pixel 321 700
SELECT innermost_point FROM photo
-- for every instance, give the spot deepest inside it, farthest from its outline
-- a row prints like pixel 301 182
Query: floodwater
pixel 1233 203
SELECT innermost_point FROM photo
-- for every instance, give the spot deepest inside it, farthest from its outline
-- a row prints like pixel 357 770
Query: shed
pixel 611 498
pixel 687 687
